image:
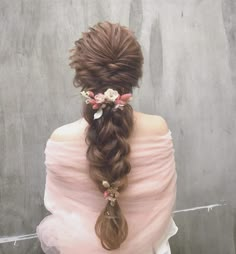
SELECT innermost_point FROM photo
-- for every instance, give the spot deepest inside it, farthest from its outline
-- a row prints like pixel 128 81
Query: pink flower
pixel 123 99
pixel 100 98
pixel 96 106
pixel 120 102
pixel 90 93
pixel 126 97
pixel 106 194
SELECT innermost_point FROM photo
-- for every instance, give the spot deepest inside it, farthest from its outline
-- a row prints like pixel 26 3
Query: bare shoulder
pixel 162 127
pixel 66 132
pixel 153 124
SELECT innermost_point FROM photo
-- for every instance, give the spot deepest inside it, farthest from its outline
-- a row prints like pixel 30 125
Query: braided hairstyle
pixel 108 56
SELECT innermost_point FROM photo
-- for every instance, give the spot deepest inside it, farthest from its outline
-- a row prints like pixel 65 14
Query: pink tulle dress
pixel 75 202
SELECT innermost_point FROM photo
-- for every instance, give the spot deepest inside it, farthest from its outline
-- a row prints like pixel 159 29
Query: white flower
pixel 87 101
pixel 100 98
pixel 111 94
pixel 85 94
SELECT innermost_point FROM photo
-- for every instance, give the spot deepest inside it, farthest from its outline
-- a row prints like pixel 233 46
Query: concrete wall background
pixel 189 78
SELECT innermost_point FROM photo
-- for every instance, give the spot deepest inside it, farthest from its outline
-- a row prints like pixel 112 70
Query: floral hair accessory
pixel 111 193
pixel 99 100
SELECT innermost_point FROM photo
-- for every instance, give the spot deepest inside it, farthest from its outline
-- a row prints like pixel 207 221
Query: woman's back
pixel 111 179
pixel 75 203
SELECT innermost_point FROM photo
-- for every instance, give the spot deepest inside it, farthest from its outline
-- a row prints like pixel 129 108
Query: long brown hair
pixel 108 56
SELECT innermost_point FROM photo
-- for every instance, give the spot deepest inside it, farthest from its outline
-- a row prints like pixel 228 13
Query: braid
pixel 107 155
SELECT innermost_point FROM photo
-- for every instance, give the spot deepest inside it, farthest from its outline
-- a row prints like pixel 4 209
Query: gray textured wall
pixel 189 78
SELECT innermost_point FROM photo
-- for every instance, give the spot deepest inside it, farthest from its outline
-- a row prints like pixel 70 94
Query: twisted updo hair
pixel 108 56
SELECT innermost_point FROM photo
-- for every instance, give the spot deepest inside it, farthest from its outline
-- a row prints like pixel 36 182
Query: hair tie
pixel 111 193
pixel 100 100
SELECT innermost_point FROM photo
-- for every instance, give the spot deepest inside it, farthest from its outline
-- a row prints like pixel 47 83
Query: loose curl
pixel 108 56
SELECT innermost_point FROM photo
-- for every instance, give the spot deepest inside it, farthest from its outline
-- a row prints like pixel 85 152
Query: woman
pixel 111 178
